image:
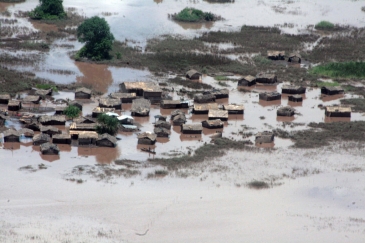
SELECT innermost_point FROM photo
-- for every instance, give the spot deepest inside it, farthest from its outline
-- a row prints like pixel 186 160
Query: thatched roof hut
pixel 124 119
pixel 110 103
pixel 276 55
pixel 11 135
pixel 128 128
pixel 50 130
pixel 76 103
pixel 59 110
pixel 83 126
pixel 264 137
pixel 4 98
pixel 148 90
pixel 218 114
pixel 293 89
pixel 41 138
pixel 26 132
pixel 338 111
pixel 161 132
pixel 179 119
pixel 234 109
pixel 195 128
pixel 285 111
pixel 204 108
pixel 332 90
pixel 106 140
pixel 86 137
pixel 14 105
pixel 52 120
pixel 49 148
pixel 192 74
pixel 163 124
pixel 99 110
pixel 220 93
pixel 295 57
pixel 173 104
pixel 124 97
pixel 270 96
pixel 147 138
pixel 44 92
pixel 35 126
pixel 176 113
pixel 295 98
pixel 247 81
pixel 35 99
pixel 141 107
pixel 82 93
pixel 61 138
pixel 212 124
pixel 266 78
pixel 86 120
pixel 204 98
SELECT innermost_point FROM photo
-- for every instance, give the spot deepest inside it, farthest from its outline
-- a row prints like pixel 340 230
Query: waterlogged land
pixel 308 182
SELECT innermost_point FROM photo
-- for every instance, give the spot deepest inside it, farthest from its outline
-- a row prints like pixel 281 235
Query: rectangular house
pixel 234 109
pixel 264 137
pixel 52 120
pixel 220 93
pixel 293 89
pixel 147 138
pixel 270 96
pixel 61 138
pixel 141 107
pixel 35 99
pixel 195 128
pixel 338 111
pixel 247 81
pixel 82 93
pixel 147 90
pixel 110 103
pixel 173 104
pixel 295 98
pixel 204 108
pixel 83 126
pixel 11 135
pixel 86 137
pixel 14 105
pixel 4 98
pixel 332 90
pixel 213 124
pixel 266 78
pixel 106 140
pixel 285 111
pixel 204 98
pixel 276 55
pixel 99 110
pixel 124 97
pixel 218 114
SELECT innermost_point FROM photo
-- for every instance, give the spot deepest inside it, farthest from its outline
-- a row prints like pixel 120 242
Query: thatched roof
pixel 204 97
pixel 286 109
pixel 170 102
pixel 294 54
pixel 192 127
pixel 264 133
pixel 192 72
pixel 162 130
pixel 119 95
pixel 109 102
pixel 102 110
pixel 83 90
pixel 275 53
pixel 11 132
pixel 32 98
pixel 218 113
pixel 46 118
pixel 145 86
pixel 205 107
pixel 75 103
pixel 49 146
pixel 148 135
pixel 333 88
pixel 86 134
pixel 27 131
pixel 216 122
pixel 107 137
pixel 85 119
pixel 5 97
pixel 49 129
pixel 271 94
pixel 220 91
pixel 43 92
pixel 62 136
pixel 249 78
pixel 41 137
pixel 60 108
pixel 176 113
pixel 339 109
pixel 14 103
pixel 83 126
pixel 141 105
pixel 233 107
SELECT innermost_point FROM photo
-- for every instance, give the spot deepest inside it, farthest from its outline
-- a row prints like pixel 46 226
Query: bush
pixel 48 10
pixel 194 15
pixel 107 124
pixel 324 25
pixel 72 111
pixel 46 86
pixel 258 185
pixel 341 70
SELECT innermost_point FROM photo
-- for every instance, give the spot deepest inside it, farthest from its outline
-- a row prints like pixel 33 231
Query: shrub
pixel 324 25
pixel 341 70
pixel 194 15
pixel 46 86
pixel 258 185
pixel 48 10
pixel 107 124
pixel 72 111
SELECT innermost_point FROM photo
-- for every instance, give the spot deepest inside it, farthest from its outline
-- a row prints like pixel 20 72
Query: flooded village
pixel 231 128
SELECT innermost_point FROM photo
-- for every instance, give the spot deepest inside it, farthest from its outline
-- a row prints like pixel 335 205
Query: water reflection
pixel 95 75
pixel 195 26
pixel 336 119
pixel 50 158
pixel 103 155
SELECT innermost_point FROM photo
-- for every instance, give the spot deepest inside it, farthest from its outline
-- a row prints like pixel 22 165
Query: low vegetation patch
pixel 341 70
pixel 47 86
pixel 107 124
pixel 324 25
pixel 258 185
pixel 194 15
pixel 49 10
pixel 327 84
pixel 103 172
pixel 357 104
pixel 72 111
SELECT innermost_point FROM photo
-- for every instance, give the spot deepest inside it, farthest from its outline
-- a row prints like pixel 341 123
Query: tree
pixel 48 9
pixel 107 124
pixel 72 111
pixel 95 33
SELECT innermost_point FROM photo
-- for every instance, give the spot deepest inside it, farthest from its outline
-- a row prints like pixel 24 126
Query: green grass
pixel 324 25
pixel 327 84
pixel 341 70
pixel 220 78
pixel 193 15
pixel 46 86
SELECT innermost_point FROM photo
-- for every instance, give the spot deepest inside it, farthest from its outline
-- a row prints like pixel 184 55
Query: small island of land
pixel 194 15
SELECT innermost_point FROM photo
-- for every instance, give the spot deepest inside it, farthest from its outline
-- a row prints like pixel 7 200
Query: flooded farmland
pixel 307 185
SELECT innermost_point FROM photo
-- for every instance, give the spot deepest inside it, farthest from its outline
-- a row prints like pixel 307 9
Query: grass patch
pixel 327 84
pixel 260 60
pixel 194 15
pixel 258 185
pixel 46 86
pixel 358 104
pixel 324 25
pixel 341 70
pixel 221 78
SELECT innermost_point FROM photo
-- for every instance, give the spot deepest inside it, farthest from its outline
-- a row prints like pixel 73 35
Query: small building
pixel 293 89
pixel 52 120
pixel 44 92
pixel 141 107
pixel 332 90
pixel 110 103
pixel 147 138
pixel 195 128
pixel 14 105
pixel 247 81
pixel 204 98
pixel 174 104
pixel 62 138
pixel 41 138
pixel 49 149
pixel 264 137
pixel 3 118
pixel 161 132
pixel 192 74
pixel 234 109
pixel 179 119
pixel 35 99
pixel 270 96
pixel 204 108
pixel 213 124
pixel 295 98
pixel 285 111
pixel 106 140
pixel 338 111
pixel 176 113
pixel 124 119
pixel 11 135
pixel 76 103
pixel 50 130
pixel 124 97
pixel 128 128
pixel 86 119
pixel 35 126
pixel 59 110
pixel 220 93
pixel 26 132
pixel 163 124
pixel 266 78
pixel 295 58
pixel 276 55
pixel 99 110
pixel 4 98
pixel 86 137
pixel 147 90
pixel 82 93
pixel 218 114
pixel 83 126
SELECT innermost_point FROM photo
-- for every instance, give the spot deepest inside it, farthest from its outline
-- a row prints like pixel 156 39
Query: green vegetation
pixel 327 84
pixel 194 15
pixel 107 124
pixel 258 185
pixel 48 10
pixel 47 86
pixel 341 70
pixel 220 78
pixel 260 60
pixel 324 25
pixel 72 111
pixel 95 33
